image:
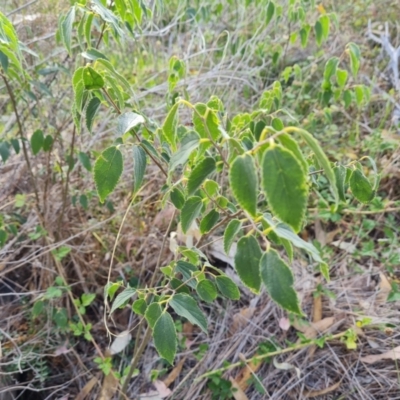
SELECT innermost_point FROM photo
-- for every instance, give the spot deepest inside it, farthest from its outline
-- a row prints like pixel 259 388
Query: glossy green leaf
pixel 91 111
pixel 189 142
pixel 209 221
pixel 164 335
pixel 92 80
pixel 284 182
pixel 185 306
pixel 177 198
pixel 200 172
pixel 66 29
pixel 85 161
pixel 139 166
pixel 107 171
pixel 37 140
pixel 232 229
pixel 361 187
pixel 278 279
pixel 206 290
pixel 244 183
pixel 227 287
pixel 170 125
pixel 152 314
pixel 128 121
pixel 190 211
pixel 247 262
pixel 270 12
pixel 122 298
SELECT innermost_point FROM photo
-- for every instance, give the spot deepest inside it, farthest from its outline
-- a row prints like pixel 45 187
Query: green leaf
pixel 122 298
pixel 318 33
pixel 87 299
pixel 185 306
pixel 227 287
pixel 139 306
pixel 270 12
pixel 232 229
pixel 85 161
pixel 322 160
pixel 355 57
pixel 340 174
pixel 177 198
pixel 341 77
pixel 206 291
pixel 38 308
pixel 209 221
pixel 189 142
pixel 91 111
pixel 170 125
pixel 304 33
pixel 152 314
pixel 285 232
pixel 200 172
pixel 5 151
pixel 284 183
pixel 15 145
pixel 107 171
pixel 92 80
pixel 290 144
pixel 164 335
pixel 37 140
pixel 128 121
pixel 79 88
pixel 48 143
pixel 244 183
pixel 325 22
pixel 278 279
pixel 330 68
pixel 3 237
pixel 93 55
pixel 187 269
pixel 139 166
pixel 361 187
pixel 66 29
pixel 190 211
pixel 206 122
pixel 247 262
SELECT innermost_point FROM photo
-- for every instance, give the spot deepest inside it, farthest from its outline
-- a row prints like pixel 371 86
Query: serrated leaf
pixel 200 172
pixel 91 111
pixel 270 12
pixel 206 291
pixel 190 211
pixel 186 269
pixel 244 183
pixel 208 222
pixel 66 29
pixel 128 121
pixel 177 198
pixel 232 229
pixel 278 279
pixel 37 140
pixel 284 183
pixel 122 298
pixel 290 144
pixel 85 161
pixel 206 122
pixel 139 166
pixel 189 142
pixel 247 262
pixel 361 187
pixel 227 287
pixel 164 335
pixel 139 306
pixel 107 171
pixel 170 125
pixel 92 80
pixel 152 314
pixel 185 306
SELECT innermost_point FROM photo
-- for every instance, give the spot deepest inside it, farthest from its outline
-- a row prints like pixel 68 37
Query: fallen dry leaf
pixel 315 393
pixel 393 354
pixel 238 394
pixel 284 324
pixel 241 319
pixel 120 342
pixel 312 330
pixel 249 370
pixel 160 393
pixel 286 366
pixel 86 389
pixel 317 309
pixel 109 388
pixel 174 373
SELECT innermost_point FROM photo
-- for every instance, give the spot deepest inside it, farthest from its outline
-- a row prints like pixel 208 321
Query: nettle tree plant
pixel 249 176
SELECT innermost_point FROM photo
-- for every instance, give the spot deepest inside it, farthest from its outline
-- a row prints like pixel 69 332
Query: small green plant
pixel 220 388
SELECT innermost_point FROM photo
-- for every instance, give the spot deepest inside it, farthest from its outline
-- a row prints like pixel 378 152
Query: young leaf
pixel 164 335
pixel 170 125
pixel 200 172
pixel 244 183
pixel 270 12
pixel 122 298
pixel 66 29
pixel 206 291
pixel 189 142
pixel 341 77
pixel 284 183
pixel 152 314
pixel 185 306
pixel 91 111
pixel 128 121
pixel 37 140
pixel 278 279
pixel 361 187
pixel 92 80
pixel 227 287
pixel 230 233
pixel 177 198
pixel 304 33
pixel 190 211
pixel 139 307
pixel 139 166
pixel 107 171
pixel 79 89
pixel 208 222
pixel 247 262
pixel 355 57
